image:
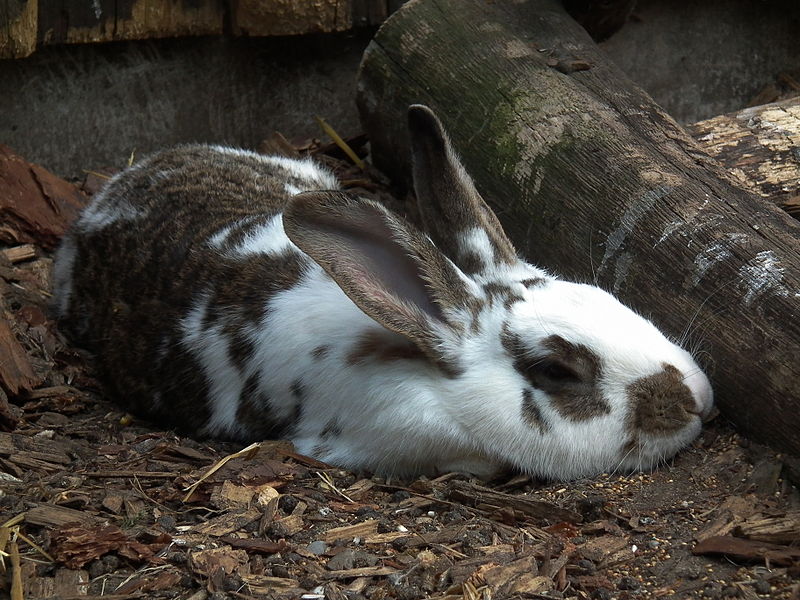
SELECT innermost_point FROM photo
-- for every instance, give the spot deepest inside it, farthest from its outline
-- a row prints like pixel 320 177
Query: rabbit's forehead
pixel 587 317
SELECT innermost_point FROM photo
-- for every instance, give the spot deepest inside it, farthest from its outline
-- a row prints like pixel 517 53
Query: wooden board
pixel 24 24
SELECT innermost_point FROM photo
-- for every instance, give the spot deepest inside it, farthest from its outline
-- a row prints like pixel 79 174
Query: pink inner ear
pixel 378 266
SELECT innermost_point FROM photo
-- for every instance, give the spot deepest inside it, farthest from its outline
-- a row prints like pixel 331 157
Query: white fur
pixel 476 240
pixel 265 239
pixel 104 210
pixel 218 238
pixel 312 175
pixel 63 268
pixel 316 309
pixel 211 348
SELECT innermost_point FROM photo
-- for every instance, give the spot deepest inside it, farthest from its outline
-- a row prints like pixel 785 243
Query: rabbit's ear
pixel 388 269
pixel 453 212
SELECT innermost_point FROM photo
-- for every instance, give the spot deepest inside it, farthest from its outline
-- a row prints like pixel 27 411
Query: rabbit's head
pixel 557 378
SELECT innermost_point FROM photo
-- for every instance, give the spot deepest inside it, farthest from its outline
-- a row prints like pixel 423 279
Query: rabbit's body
pixel 370 347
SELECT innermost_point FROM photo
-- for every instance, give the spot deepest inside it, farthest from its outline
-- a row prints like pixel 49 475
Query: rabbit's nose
pixel 702 393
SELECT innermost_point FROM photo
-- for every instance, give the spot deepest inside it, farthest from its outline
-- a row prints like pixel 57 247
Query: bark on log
pixel 592 179
pixel 761 147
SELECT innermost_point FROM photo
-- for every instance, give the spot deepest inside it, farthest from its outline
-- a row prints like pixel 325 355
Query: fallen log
pixel 760 145
pixel 594 180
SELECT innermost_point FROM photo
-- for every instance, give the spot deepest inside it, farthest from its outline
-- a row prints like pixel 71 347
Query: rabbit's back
pixel 186 241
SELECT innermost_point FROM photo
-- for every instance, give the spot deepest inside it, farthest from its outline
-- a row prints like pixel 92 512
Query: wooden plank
pixel 295 17
pixel 85 21
pixel 26 23
pixel 17 28
pixel 139 19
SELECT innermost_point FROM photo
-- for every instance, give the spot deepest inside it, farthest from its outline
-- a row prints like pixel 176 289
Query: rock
pixel 317 547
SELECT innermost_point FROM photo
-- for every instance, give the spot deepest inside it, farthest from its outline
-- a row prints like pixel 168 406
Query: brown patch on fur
pixel 297 389
pixel 475 309
pixel 374 346
pixel 244 286
pixel 320 352
pixel 240 347
pixel 569 373
pixel 253 412
pixel 471 262
pixel 332 429
pixel 661 403
pixel 531 413
pixel 501 291
pixel 533 282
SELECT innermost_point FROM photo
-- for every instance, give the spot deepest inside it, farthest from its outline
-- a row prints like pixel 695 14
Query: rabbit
pixel 239 296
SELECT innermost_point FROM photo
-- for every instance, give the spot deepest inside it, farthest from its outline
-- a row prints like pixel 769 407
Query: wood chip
pixel 606 550
pixel 20 253
pixel 528 507
pixel 227 523
pixel 363 529
pixel 288 526
pixel 35 206
pixel 76 545
pixel 261 584
pixel 52 515
pixel 361 572
pixel 256 545
pixel 750 550
pixel 783 529
pixel 16 372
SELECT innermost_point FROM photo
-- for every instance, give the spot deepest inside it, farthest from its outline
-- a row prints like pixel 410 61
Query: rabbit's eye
pixel 556 371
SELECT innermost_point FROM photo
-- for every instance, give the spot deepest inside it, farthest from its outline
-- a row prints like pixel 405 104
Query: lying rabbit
pixel 242 296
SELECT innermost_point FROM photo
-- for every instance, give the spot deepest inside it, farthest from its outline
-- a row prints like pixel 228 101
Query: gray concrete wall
pixel 80 107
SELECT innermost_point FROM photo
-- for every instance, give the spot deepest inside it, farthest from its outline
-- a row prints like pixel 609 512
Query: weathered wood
pixel 73 22
pixel 761 147
pixel 24 24
pixel 16 372
pixel 293 17
pixel 783 529
pixel 593 180
pixel 524 505
pixel 19 253
pixel 18 27
pixel 749 550
pixel 35 206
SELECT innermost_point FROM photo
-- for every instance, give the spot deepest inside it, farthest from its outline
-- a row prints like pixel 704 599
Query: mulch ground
pixel 94 503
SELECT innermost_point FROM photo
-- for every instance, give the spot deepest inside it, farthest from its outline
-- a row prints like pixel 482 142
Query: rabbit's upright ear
pixel 389 270
pixel 453 212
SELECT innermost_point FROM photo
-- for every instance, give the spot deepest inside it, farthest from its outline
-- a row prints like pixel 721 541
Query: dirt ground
pixel 95 503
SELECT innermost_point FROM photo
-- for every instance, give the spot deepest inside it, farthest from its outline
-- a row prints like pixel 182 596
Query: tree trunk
pixel 761 147
pixel 593 180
